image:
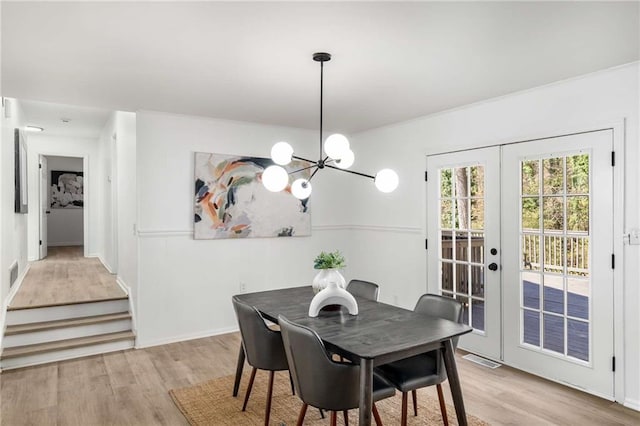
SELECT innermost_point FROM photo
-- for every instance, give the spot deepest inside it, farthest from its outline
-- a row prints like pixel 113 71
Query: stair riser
pixel 54 313
pixel 35 337
pixel 62 355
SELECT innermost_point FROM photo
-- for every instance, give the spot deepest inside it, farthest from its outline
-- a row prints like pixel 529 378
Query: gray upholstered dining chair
pixel 263 348
pixel 321 382
pixel 426 369
pixel 364 289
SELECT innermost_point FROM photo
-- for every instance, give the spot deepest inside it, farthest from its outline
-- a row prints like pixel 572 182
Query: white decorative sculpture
pixel 333 295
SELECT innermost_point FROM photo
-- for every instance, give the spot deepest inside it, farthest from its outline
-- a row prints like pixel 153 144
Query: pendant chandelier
pixel 335 153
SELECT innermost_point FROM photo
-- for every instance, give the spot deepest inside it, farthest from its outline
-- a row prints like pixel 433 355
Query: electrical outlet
pixel 243 287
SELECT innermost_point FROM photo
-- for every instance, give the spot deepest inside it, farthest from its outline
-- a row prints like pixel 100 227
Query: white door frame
pixel 87 193
pixel 619 142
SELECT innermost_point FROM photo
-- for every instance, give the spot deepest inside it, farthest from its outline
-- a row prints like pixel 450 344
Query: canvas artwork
pixel 231 202
pixel 67 190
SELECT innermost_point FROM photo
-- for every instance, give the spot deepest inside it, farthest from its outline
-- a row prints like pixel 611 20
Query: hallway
pixel 66 277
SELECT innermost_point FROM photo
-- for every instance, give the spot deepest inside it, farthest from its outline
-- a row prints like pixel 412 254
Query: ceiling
pixel 392 61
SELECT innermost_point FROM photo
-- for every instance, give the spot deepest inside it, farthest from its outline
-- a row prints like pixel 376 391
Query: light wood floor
pixel 63 277
pixel 131 388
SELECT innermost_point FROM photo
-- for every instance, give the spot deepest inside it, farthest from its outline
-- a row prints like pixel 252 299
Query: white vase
pixel 326 276
pixel 333 296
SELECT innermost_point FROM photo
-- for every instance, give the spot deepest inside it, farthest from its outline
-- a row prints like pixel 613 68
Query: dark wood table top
pixel 380 332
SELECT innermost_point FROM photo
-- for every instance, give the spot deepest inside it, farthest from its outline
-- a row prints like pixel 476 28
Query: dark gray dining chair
pixel 364 289
pixel 321 382
pixel 263 348
pixel 426 369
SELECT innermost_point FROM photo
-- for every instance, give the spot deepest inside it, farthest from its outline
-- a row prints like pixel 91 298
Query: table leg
pixel 239 368
pixel 366 391
pixel 454 381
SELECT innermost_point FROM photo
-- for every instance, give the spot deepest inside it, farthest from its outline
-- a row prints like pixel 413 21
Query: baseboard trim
pixel 123 286
pixel 65 244
pixel 184 337
pixel 105 264
pixel 9 299
pixel 632 403
pixel 132 310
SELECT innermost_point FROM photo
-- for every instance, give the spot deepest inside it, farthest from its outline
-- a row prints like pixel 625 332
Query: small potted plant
pixel 329 265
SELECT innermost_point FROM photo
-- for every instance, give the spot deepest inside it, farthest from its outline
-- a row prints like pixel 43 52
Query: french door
pixel 544 301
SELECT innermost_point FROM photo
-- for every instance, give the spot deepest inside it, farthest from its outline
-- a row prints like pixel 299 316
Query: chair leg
pixel 345 413
pixel 376 415
pixel 334 418
pixel 403 419
pixel 293 390
pixel 303 412
pixel 443 407
pixel 246 397
pixel 321 412
pixel 414 395
pixel 267 412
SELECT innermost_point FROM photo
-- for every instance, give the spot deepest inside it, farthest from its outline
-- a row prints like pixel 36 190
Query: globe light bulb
pixel 346 160
pixel 336 146
pixel 281 153
pixel 301 189
pixel 275 178
pixel 386 180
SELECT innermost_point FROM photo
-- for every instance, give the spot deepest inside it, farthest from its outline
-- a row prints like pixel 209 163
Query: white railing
pixel 577 252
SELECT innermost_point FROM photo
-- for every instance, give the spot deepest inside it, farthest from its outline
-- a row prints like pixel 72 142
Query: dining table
pixel 380 333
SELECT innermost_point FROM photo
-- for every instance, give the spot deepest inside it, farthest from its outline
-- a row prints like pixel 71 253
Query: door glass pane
pixel 553 337
pixel 553 175
pixel 531 327
pixel 477 314
pixel 530 177
pixel 555 267
pixel 447 276
pixel 553 216
pixel 462 209
pixel 578 213
pixel 531 290
pixel 465 308
pixel 578 174
pixel 553 295
pixel 578 339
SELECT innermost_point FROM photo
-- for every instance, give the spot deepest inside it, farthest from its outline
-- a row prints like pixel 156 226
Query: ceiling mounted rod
pixel 337 156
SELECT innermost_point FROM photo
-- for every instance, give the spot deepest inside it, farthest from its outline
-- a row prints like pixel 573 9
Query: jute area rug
pixel 211 403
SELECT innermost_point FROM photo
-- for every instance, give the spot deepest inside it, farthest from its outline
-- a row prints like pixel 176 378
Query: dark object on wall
pixel 67 190
pixel 20 168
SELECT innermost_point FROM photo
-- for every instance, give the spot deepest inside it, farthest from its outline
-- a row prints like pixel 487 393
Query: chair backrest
pixel 364 289
pixel 319 381
pixel 263 347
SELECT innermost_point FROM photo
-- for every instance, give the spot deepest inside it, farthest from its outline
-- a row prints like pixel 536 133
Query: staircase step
pixel 74 322
pixel 66 312
pixel 61 345
pixel 77 302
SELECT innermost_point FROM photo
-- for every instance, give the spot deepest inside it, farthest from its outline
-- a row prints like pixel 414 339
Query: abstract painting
pixel 67 190
pixel 231 202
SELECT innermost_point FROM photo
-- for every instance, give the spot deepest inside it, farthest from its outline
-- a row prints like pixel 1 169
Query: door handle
pixel 493 266
pixel 47 212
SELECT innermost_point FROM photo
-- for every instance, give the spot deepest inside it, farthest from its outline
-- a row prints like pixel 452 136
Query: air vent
pixel 13 274
pixel 482 361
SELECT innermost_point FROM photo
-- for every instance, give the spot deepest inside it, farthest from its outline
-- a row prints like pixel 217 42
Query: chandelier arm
pixel 303 159
pixel 304 168
pixel 313 174
pixel 349 171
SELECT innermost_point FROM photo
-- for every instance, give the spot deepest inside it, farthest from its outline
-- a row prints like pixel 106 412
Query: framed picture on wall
pixel 67 190
pixel 20 149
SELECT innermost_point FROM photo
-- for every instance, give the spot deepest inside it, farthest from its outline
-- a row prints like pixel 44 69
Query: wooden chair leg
pixel 376 415
pixel 403 419
pixel 267 412
pixel 443 407
pixel 246 397
pixel 414 395
pixel 345 413
pixel 334 418
pixel 303 412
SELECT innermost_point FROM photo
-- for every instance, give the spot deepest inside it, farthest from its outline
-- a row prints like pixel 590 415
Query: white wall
pixel 67 147
pixel 13 226
pixel 185 286
pixel 107 195
pixel 64 226
pixel 398 256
